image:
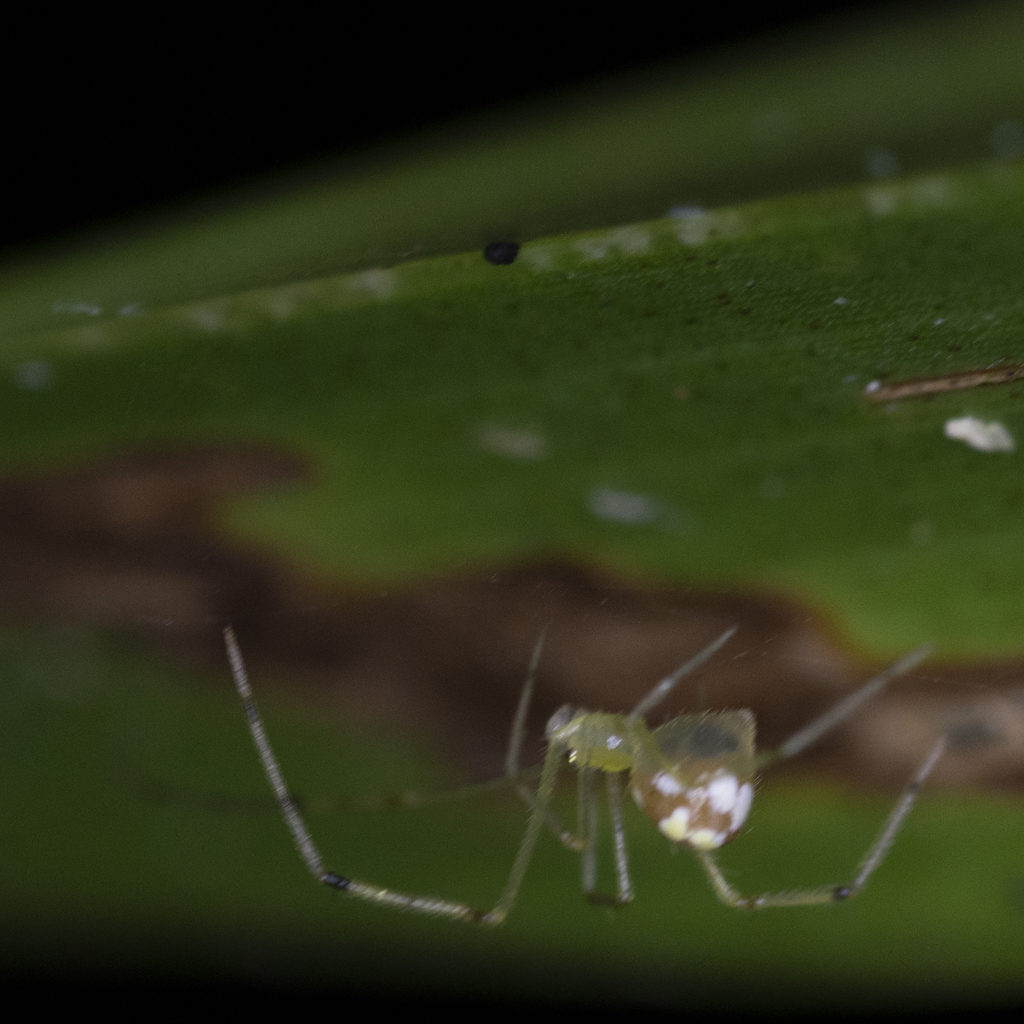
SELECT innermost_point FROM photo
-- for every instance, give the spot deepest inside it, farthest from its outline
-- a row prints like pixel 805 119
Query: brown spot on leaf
pixel 136 545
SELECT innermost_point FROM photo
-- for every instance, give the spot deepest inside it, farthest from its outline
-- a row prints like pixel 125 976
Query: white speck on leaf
pixel 76 307
pixel 693 224
pixel 378 282
pixel 628 241
pixel 880 201
pixel 207 318
pixel 515 444
pixel 34 375
pixel 983 437
pixel 624 506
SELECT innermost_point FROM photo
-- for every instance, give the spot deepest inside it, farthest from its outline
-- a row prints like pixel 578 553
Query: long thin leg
pixel 835 893
pixel 515 777
pixel 661 691
pixel 303 840
pixel 514 773
pixel 552 762
pixel 588 828
pixel 515 740
pixel 412 798
pixel 366 891
pixel 625 893
pixel 813 731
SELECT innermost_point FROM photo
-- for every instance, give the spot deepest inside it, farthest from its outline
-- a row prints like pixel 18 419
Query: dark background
pixel 109 116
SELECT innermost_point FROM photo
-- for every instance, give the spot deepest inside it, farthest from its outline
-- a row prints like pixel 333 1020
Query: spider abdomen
pixel 694 776
pixel 705 814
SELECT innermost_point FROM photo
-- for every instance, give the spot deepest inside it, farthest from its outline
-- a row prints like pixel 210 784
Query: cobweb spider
pixel 693 777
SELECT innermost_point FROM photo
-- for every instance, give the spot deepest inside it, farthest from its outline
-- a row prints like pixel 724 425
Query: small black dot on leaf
pixel 501 254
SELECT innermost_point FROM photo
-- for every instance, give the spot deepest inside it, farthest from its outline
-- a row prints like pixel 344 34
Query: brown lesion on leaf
pixel 135 545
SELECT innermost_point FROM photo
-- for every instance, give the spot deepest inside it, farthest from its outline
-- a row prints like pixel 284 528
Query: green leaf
pixel 673 397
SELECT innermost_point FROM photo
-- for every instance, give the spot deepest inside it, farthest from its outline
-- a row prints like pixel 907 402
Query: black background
pixel 110 116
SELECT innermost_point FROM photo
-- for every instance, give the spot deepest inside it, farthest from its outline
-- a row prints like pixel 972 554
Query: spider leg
pixel 813 731
pixel 625 893
pixel 661 691
pixel 367 891
pixel 552 762
pixel 587 809
pixel 514 772
pixel 837 893
pixel 515 776
pixel 515 740
pixel 412 798
pixel 588 830
pixel 289 811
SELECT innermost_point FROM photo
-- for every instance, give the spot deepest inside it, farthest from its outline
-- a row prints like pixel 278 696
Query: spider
pixel 693 777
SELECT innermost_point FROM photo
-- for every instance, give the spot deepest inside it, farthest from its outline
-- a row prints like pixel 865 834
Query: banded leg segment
pixel 367 891
pixel 835 893
pixel 292 818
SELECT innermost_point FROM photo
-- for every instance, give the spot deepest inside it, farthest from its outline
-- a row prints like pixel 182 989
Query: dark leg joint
pixel 841 892
pixel 336 881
